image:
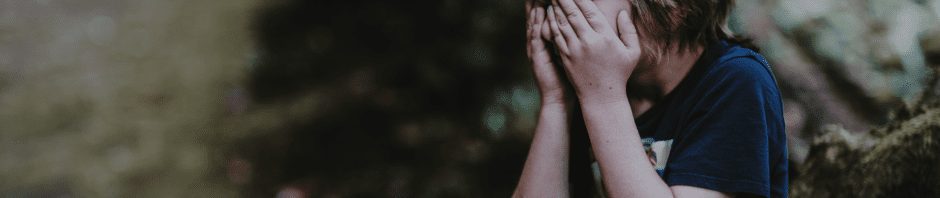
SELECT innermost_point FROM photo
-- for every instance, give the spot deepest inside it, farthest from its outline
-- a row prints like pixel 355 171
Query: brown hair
pixel 685 24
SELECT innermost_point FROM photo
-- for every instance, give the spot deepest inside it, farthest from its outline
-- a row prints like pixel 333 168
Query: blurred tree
pixel 407 92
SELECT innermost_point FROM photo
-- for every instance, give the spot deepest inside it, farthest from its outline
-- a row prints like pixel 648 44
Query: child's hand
pixel 598 61
pixel 548 78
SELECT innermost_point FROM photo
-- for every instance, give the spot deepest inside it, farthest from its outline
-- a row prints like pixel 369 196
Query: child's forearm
pixel 617 147
pixel 624 165
pixel 546 169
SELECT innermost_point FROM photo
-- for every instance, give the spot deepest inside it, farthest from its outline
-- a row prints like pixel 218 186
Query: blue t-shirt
pixel 722 127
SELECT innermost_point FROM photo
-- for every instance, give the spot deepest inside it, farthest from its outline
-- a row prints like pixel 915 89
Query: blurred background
pixel 421 98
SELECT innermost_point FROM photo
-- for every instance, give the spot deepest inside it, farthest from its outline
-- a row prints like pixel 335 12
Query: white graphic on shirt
pixel 657 151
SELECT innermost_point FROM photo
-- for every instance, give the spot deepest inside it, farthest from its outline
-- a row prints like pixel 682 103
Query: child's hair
pixel 685 24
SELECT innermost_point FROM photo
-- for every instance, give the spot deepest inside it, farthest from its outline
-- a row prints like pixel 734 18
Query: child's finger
pixel 546 29
pixel 628 34
pixel 575 17
pixel 528 5
pixel 594 16
pixel 564 27
pixel 560 41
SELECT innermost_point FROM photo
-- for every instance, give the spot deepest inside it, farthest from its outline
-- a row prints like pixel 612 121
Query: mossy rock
pixel 901 163
pixel 897 160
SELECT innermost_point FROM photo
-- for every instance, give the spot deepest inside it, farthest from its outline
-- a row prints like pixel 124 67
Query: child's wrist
pixel 602 97
pixel 554 104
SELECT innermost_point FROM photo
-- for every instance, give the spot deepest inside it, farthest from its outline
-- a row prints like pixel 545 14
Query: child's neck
pixel 651 83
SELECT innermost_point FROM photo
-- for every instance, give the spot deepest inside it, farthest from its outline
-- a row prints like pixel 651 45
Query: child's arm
pixel 546 168
pixel 599 62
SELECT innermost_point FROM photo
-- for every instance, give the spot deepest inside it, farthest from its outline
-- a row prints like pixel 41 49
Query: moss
pixel 901 164
pixel 896 160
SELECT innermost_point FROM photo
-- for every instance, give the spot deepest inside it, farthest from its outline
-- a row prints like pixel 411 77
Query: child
pixel 674 105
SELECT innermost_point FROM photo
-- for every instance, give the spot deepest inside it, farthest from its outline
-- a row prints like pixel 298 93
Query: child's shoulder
pixel 741 65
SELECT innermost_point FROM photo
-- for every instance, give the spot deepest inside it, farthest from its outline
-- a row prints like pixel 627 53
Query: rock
pixel 897 160
pixel 903 163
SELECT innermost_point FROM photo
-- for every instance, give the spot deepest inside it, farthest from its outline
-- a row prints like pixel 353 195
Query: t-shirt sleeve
pixel 733 135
